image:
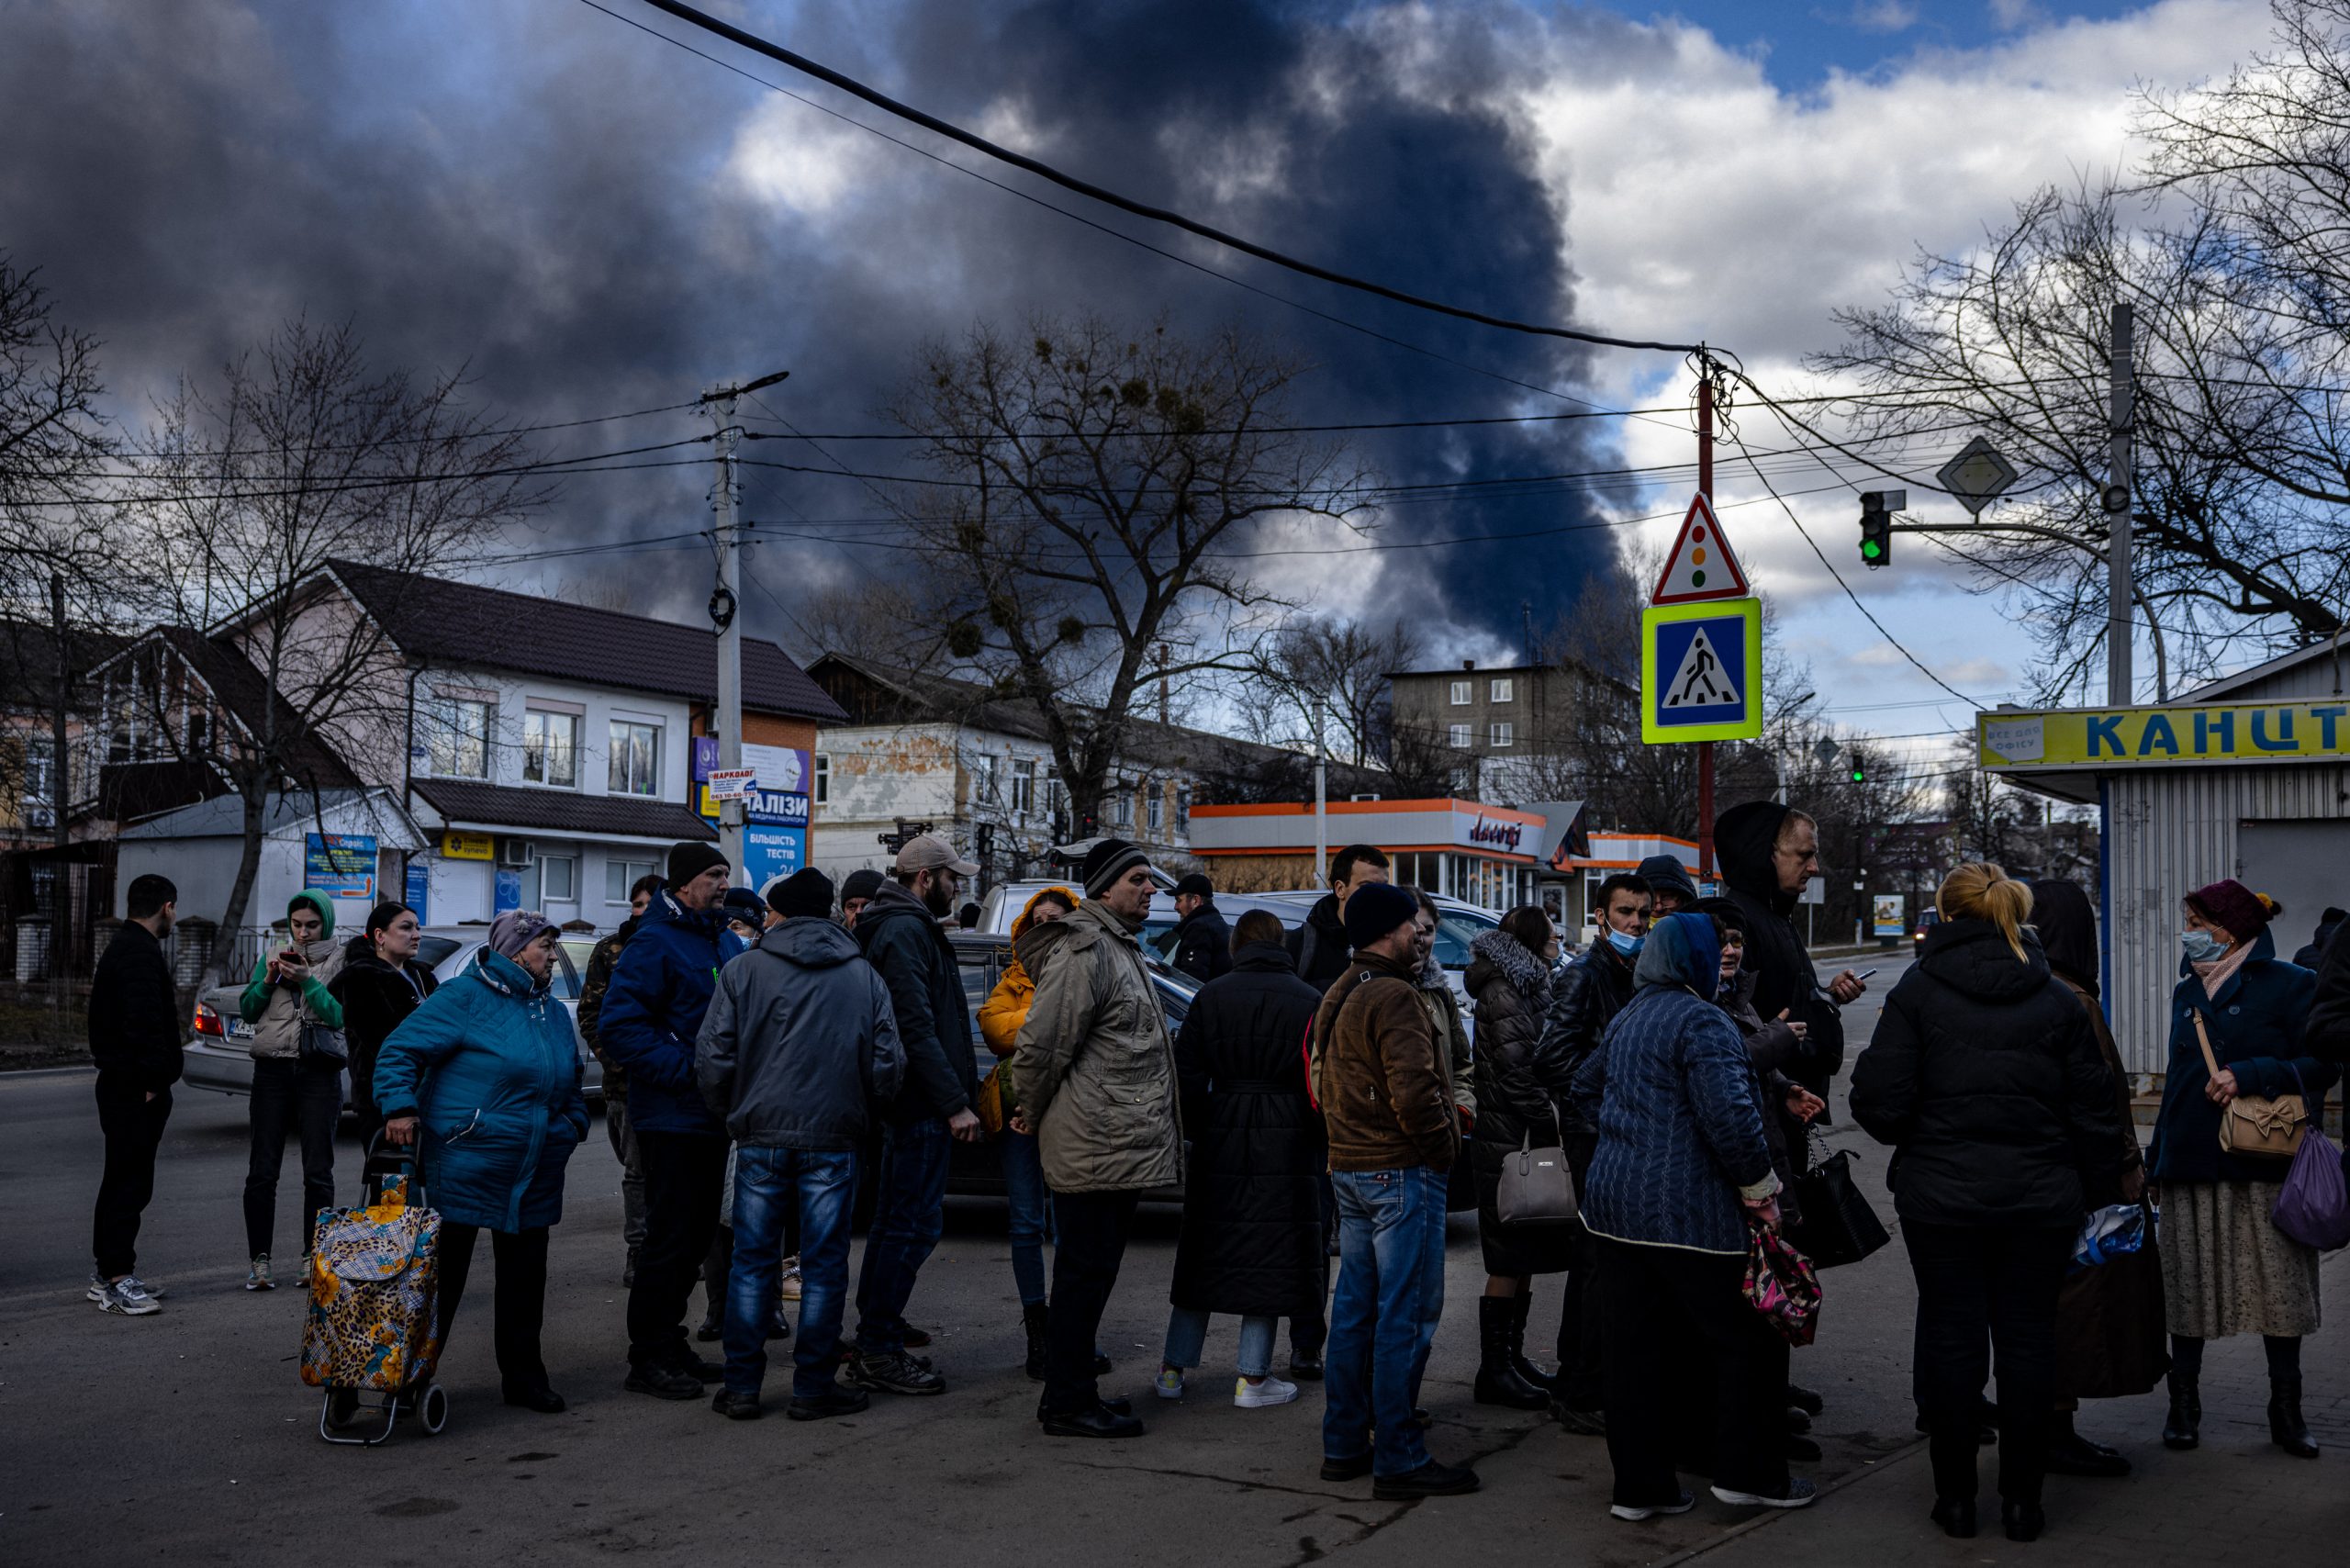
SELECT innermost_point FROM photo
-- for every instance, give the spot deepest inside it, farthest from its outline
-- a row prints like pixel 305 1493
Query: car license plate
pixel 239 1030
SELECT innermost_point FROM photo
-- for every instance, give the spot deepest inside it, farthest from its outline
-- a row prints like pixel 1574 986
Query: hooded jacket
pixel 489 1067
pixel 1203 944
pixel 1522 1071
pixel 653 1011
pixel 1251 1241
pixel 1985 1077
pixel 2328 1033
pixel 1744 839
pixel 1384 1085
pixel 1093 1070
pixel 800 1046
pixel 917 962
pixel 278 1011
pixel 376 999
pixel 2312 952
pixel 2255 1024
pixel 1680 1140
pixel 1318 946
pixel 1583 1002
pixel 134 1013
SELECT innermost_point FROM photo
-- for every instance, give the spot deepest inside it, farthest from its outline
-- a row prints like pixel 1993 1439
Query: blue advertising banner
pixel 339 865
pixel 770 852
pixel 509 894
pixel 419 894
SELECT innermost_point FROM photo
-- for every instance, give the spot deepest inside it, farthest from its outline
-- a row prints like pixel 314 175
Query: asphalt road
pixel 187 1436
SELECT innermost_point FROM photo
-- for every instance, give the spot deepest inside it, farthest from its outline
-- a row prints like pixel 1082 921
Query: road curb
pixel 68 1071
pixel 1770 1517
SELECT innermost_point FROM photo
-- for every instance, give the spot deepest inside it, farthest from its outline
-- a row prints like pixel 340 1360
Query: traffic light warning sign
pixel 1701 565
pixel 1701 671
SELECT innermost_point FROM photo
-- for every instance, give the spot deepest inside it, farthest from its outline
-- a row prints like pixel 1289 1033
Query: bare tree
pixel 1087 484
pixel 2229 241
pixel 1341 664
pixel 303 462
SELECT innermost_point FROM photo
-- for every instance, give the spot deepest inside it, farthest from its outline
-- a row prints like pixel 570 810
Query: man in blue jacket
pixel 798 1050
pixel 901 935
pixel 653 1011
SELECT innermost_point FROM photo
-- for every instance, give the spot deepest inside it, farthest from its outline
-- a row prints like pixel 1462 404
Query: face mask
pixel 1628 946
pixel 2201 947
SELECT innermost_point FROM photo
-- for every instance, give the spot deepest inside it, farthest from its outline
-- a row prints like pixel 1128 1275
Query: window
pixel 1460 690
pixel 460 743
pixel 1183 808
pixel 40 773
pixel 1122 804
pixel 1055 802
pixel 558 879
pixel 820 789
pixel 1155 808
pixel 1457 737
pixel 551 748
pixel 1503 735
pixel 987 785
pixel 635 762
pixel 199 733
pixel 1504 690
pixel 619 875
pixel 1024 785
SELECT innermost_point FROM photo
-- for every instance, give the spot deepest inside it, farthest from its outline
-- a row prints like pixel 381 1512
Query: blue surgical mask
pixel 1626 943
pixel 2200 947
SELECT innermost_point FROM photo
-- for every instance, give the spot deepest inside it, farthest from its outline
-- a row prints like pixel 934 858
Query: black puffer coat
pixel 1984 1076
pixel 1523 1074
pixel 1744 839
pixel 1251 1240
pixel 1583 1002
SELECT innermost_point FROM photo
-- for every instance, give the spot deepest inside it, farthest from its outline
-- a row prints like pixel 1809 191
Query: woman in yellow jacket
pixel 1000 1017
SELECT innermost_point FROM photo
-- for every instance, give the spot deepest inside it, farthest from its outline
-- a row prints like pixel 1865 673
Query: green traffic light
pixel 1871 550
pixel 1860 776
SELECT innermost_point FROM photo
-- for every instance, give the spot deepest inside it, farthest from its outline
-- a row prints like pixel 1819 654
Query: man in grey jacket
pixel 1095 1072
pixel 798 1049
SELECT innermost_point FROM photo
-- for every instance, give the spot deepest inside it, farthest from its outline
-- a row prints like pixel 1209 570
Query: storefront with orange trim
pixel 1480 854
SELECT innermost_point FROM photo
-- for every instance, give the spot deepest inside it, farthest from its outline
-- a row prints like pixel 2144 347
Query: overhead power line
pixel 1044 171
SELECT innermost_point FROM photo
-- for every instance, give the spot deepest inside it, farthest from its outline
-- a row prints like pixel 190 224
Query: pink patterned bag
pixel 1781 1284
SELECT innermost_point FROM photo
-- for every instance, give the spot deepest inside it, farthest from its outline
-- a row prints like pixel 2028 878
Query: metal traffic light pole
pixel 1705 488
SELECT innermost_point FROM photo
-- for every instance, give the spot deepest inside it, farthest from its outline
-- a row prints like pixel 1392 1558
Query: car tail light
pixel 207 1021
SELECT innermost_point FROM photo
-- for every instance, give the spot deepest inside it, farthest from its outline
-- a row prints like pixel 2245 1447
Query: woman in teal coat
pixel 487 1072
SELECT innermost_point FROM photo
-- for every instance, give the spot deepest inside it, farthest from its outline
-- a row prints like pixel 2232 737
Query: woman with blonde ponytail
pixel 1985 1078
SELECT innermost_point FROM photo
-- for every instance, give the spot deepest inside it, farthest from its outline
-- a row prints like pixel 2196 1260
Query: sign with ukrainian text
pixel 2114 738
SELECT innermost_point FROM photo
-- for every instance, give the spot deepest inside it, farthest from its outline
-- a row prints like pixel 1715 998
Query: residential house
pixel 1514 734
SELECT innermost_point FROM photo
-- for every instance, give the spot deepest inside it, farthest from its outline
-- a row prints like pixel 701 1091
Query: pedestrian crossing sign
pixel 1701 671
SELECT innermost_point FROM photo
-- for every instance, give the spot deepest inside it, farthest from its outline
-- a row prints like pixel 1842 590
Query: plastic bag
pixel 2113 1232
pixel 2314 1207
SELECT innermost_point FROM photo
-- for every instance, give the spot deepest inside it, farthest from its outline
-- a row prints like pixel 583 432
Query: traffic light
pixel 1877 508
pixel 1860 771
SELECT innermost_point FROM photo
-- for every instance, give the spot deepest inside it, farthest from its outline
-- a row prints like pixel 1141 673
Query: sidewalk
pixel 2236 1498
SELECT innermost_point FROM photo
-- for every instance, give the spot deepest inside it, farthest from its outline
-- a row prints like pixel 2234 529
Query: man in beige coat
pixel 1095 1072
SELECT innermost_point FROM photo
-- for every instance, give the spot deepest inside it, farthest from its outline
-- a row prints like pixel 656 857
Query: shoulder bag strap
pixel 2210 1064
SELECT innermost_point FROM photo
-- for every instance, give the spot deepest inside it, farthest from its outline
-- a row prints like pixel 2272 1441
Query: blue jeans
pixel 1029 1210
pixel 770 1183
pixel 1382 1319
pixel 1186 1338
pixel 909 1214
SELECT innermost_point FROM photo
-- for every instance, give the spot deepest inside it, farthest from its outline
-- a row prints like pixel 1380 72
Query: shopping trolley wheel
pixel 433 1408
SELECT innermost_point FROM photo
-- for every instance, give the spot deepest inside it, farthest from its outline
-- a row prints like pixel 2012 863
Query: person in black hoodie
pixel 379 985
pixel 2313 951
pixel 1583 1002
pixel 1985 1078
pixel 1202 940
pixel 1768 852
pixel 1318 947
pixel 135 1040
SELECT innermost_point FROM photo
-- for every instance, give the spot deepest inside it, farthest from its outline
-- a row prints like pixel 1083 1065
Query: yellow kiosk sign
pixel 2111 738
pixel 468 847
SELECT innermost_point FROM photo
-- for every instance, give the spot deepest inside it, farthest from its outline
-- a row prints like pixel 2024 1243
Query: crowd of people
pixel 1315 1102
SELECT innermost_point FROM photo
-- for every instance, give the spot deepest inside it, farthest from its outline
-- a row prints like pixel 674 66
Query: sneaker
pixel 895 1374
pixel 1636 1514
pixel 130 1298
pixel 735 1406
pixel 1168 1383
pixel 834 1401
pixel 257 1277
pixel 790 1291
pixel 662 1383
pixel 1266 1391
pixel 1798 1495
pixel 1432 1480
pixel 98 1286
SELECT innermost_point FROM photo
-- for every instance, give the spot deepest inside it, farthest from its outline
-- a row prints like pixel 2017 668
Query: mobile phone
pixel 1864 974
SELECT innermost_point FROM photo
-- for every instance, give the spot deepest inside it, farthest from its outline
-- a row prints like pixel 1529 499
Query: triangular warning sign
pixel 1702 565
pixel 1701 681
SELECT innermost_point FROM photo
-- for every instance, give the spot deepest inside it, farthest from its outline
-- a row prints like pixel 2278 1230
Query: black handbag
pixel 1534 1187
pixel 1839 1226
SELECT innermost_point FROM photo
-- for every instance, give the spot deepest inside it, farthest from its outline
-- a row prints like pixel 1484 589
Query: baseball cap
pixel 930 852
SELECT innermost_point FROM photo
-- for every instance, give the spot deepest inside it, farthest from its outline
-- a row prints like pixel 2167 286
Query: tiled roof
pixel 472 804
pixel 465 623
pixel 308 760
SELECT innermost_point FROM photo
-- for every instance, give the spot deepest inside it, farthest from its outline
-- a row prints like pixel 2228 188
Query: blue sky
pixel 1799 44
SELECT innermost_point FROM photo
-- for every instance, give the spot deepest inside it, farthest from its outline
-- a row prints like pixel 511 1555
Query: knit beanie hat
pixel 742 904
pixel 861 883
pixel 806 892
pixel 515 930
pixel 690 859
pixel 1107 861
pixel 2234 908
pixel 1375 909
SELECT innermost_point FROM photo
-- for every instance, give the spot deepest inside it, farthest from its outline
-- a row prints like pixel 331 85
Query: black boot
pixel 1534 1377
pixel 2286 1427
pixel 2185 1413
pixel 1032 1318
pixel 1497 1379
pixel 2069 1453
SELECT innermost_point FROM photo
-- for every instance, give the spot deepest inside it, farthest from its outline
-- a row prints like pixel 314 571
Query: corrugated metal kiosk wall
pixel 2169 831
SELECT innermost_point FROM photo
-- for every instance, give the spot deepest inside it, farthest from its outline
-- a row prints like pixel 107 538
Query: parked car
pixel 220 1056
pixel 1927 919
